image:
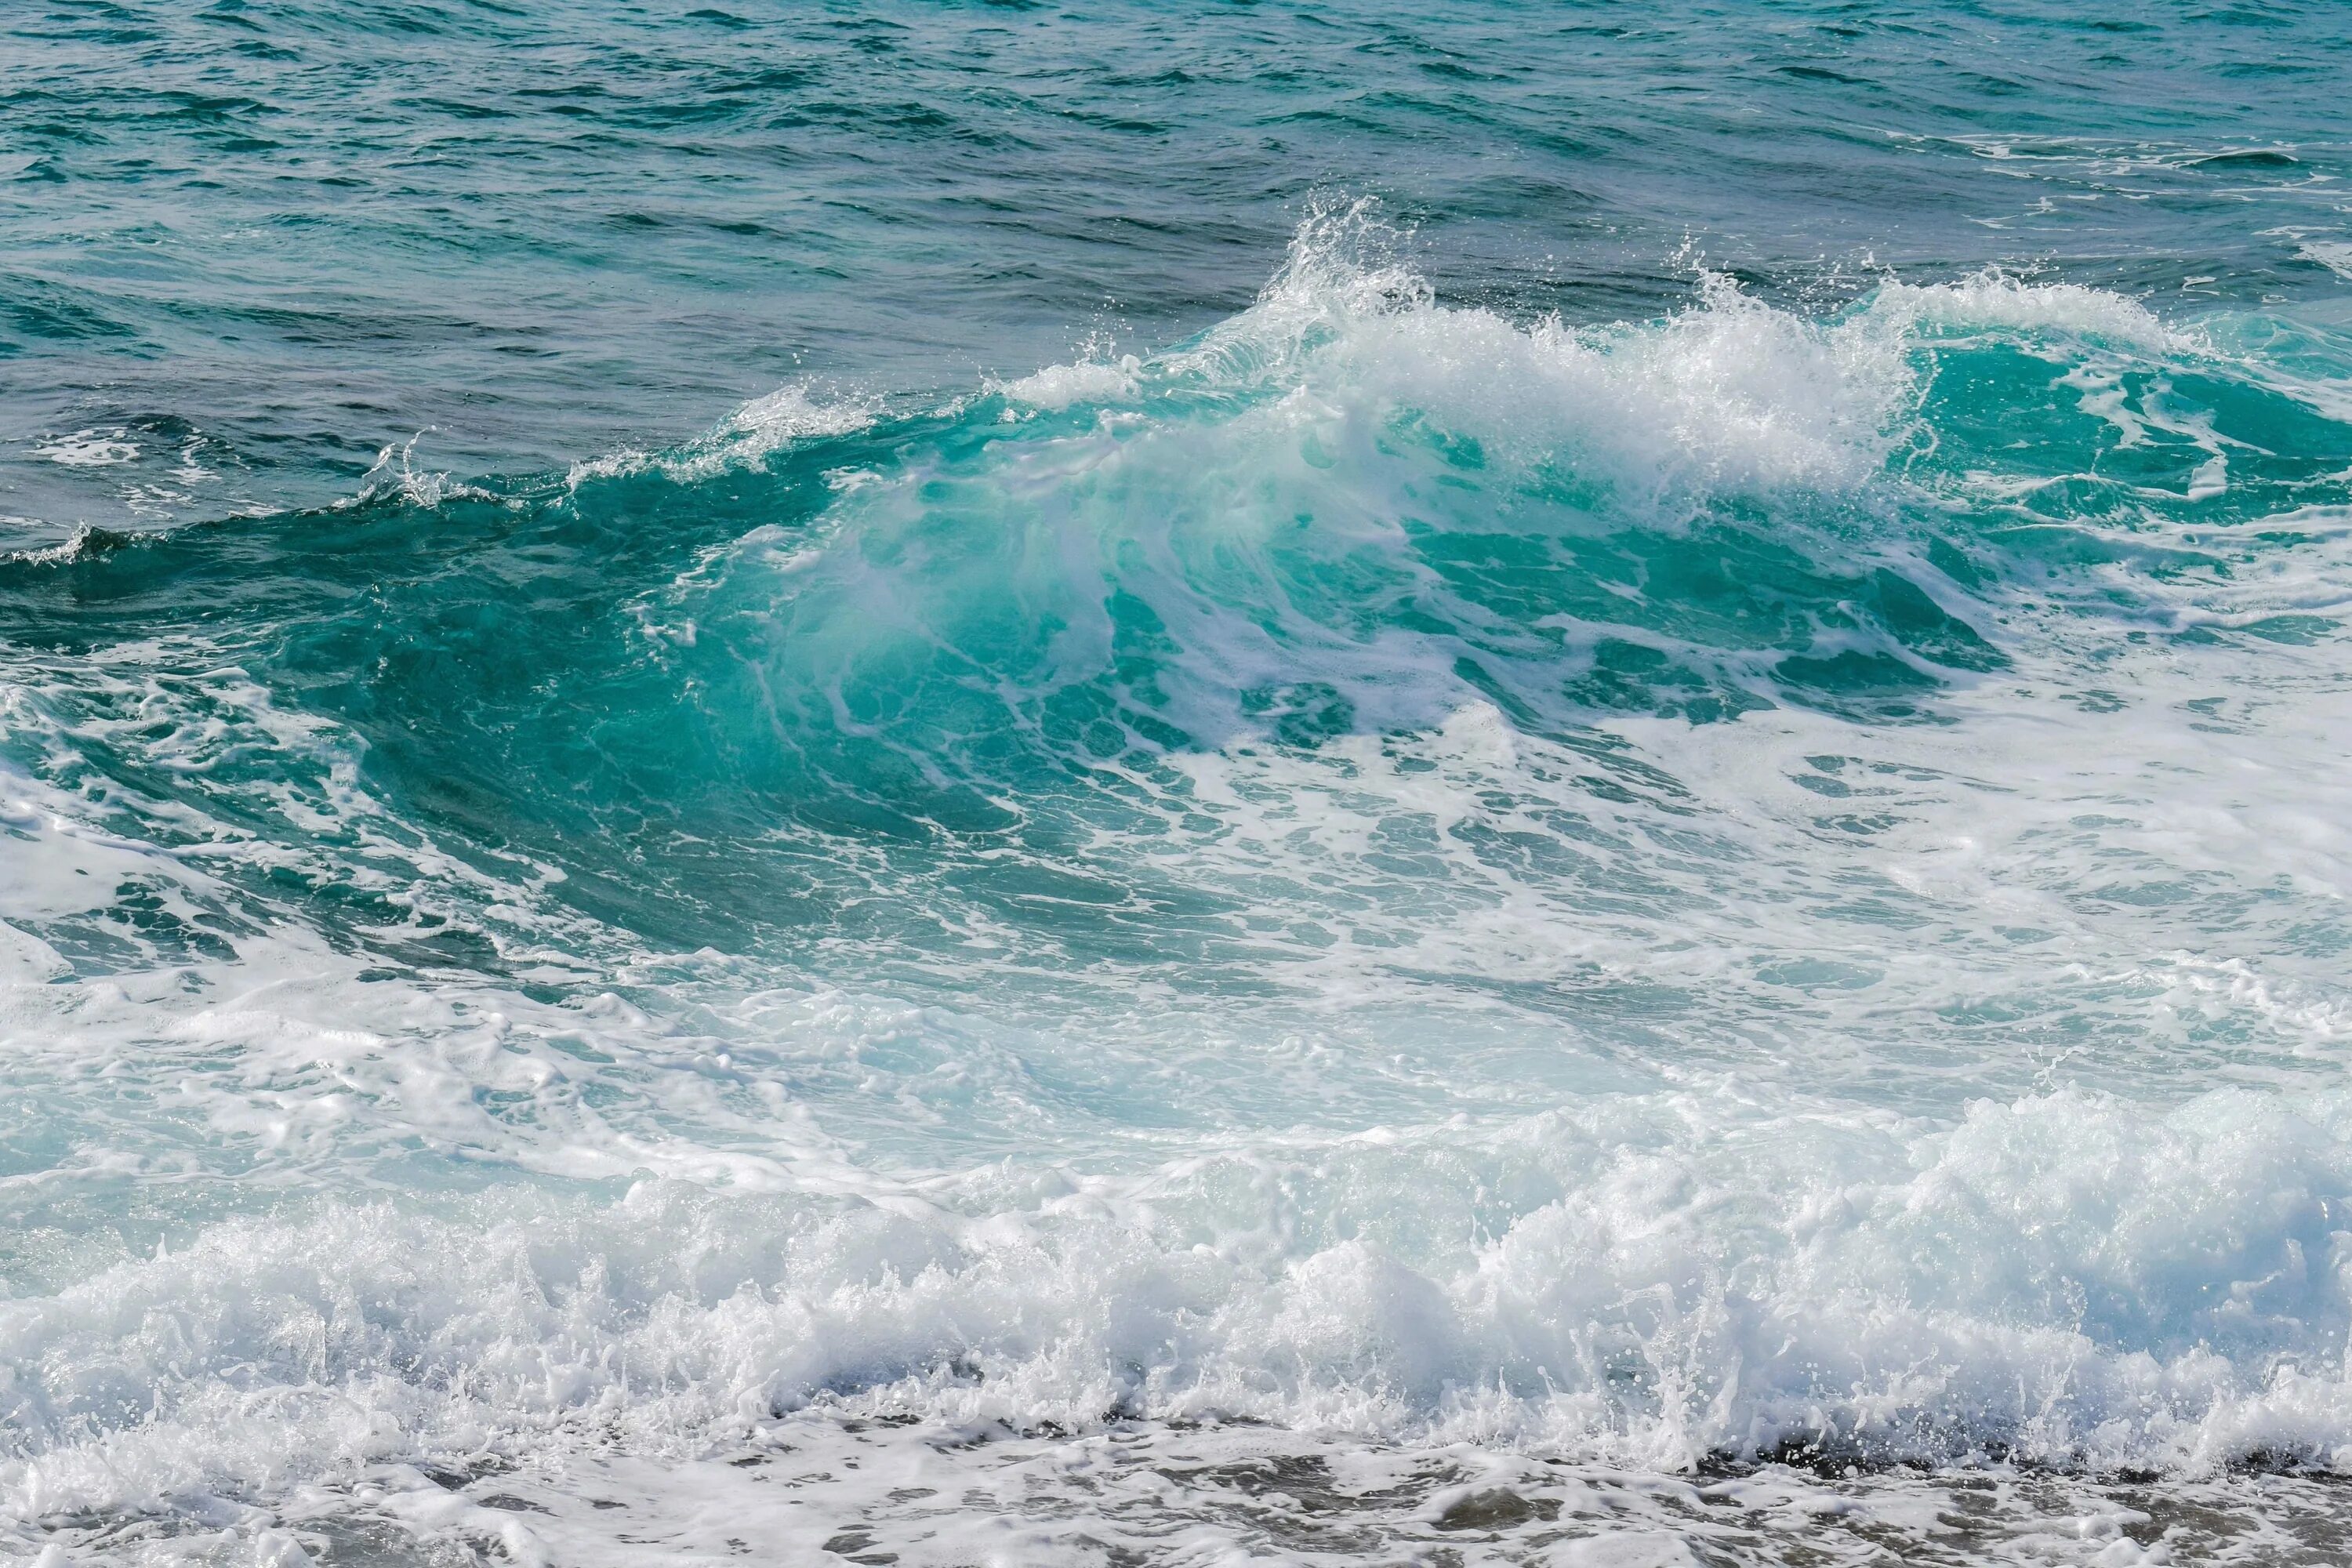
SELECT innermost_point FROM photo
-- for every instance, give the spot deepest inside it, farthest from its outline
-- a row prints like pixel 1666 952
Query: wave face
pixel 1396 924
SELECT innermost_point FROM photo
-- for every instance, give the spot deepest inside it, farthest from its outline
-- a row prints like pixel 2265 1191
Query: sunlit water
pixel 1310 784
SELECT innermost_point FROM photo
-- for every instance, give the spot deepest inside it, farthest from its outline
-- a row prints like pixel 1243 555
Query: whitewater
pixel 1388 920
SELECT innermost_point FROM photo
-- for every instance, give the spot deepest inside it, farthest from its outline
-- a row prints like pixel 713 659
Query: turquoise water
pixel 974 783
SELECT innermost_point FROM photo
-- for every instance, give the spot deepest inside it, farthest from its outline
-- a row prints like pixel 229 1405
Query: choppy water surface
pixel 954 784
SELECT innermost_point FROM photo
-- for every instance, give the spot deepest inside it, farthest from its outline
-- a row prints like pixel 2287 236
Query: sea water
pixel 1148 784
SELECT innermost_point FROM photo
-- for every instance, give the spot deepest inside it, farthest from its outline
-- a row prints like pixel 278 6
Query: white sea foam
pixel 765 425
pixel 1999 299
pixel 952 1497
pixel 1082 381
pixel 89 449
pixel 1577 1101
pixel 2336 255
pixel 2064 1279
pixel 1728 392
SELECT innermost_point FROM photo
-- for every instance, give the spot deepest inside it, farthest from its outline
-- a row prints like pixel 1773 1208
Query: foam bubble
pixel 89 449
pixel 1056 387
pixel 2336 255
pixel 1998 299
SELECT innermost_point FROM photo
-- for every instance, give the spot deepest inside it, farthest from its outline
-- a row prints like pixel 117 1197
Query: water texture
pixel 949 785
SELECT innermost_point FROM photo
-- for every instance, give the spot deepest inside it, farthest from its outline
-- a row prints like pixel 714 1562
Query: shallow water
pixel 961 785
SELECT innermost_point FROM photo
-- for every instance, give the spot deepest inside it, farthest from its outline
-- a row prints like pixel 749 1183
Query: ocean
pixel 1300 782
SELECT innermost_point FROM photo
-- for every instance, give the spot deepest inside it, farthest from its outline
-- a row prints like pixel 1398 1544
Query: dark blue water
pixel 1298 782
pixel 280 237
